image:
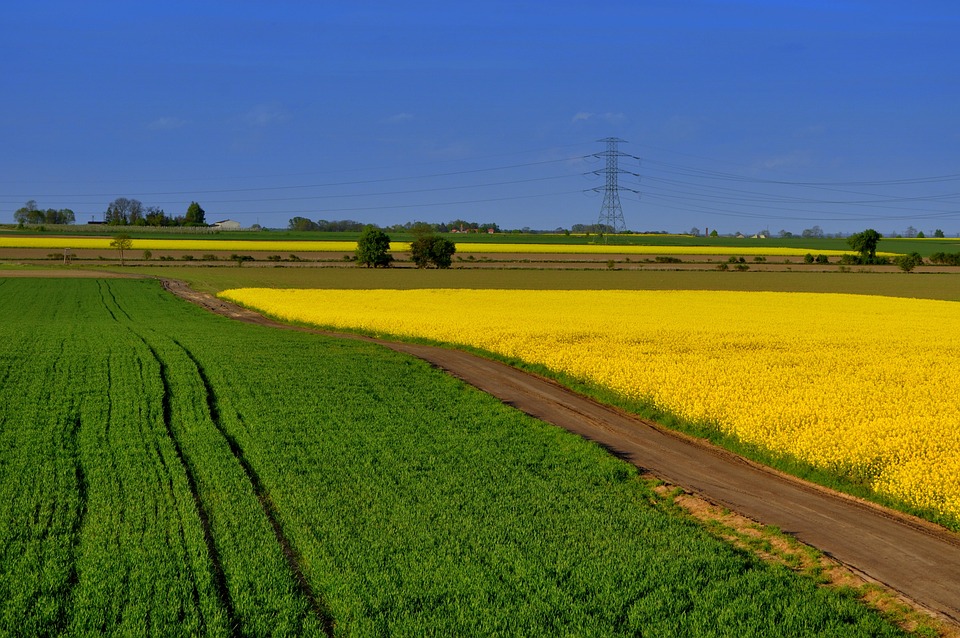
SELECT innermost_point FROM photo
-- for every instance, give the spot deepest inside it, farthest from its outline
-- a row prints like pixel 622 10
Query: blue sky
pixel 744 115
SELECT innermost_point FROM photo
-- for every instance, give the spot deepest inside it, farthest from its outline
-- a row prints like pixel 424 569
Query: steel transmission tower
pixel 611 214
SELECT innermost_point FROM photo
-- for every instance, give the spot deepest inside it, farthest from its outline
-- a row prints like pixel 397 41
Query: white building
pixel 226 224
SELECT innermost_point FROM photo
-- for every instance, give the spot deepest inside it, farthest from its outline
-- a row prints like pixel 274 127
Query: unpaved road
pixel 910 556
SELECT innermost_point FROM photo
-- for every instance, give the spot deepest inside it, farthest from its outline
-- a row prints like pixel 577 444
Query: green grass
pixel 926 286
pixel 154 459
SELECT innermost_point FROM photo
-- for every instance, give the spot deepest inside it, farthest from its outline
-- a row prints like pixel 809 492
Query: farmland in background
pixel 167 471
pixel 205 239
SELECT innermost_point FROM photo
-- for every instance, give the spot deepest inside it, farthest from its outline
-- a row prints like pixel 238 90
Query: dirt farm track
pixel 919 560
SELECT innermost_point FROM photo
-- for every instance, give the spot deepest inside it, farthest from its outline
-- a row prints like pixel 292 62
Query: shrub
pixel 908 262
pixel 241 258
pixel 945 259
pixel 857 260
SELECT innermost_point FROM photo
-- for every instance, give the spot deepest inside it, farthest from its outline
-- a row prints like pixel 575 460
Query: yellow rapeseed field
pixel 614 249
pixel 865 385
pixel 199 245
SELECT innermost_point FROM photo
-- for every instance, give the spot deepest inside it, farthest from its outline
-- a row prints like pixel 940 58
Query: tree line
pixel 120 212
pixel 131 212
pixel 348 225
pixel 31 214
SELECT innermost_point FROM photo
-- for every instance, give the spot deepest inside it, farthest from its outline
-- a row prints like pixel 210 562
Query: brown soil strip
pixel 918 560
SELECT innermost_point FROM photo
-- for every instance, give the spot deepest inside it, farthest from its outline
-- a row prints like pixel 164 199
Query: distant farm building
pixel 226 224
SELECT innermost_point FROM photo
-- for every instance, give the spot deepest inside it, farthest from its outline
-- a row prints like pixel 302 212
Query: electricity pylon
pixel 611 213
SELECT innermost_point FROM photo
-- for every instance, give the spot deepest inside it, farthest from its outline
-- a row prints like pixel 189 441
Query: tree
pixel 194 216
pixel 27 214
pixel 921 235
pixel 865 243
pixel 695 231
pixel 938 233
pixel 121 242
pixel 302 223
pixel 714 233
pixel 156 217
pixel 442 252
pixel 815 232
pixel 373 248
pixel 62 216
pixel 123 211
pixel 432 249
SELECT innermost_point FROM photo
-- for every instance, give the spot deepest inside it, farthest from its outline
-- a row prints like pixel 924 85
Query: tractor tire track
pixel 219 576
pixel 263 497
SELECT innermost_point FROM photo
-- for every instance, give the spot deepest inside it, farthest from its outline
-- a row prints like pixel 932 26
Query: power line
pixel 324 184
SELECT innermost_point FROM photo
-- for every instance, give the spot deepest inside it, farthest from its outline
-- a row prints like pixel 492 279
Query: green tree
pixel 194 216
pixel 938 233
pixel 432 249
pixel 62 216
pixel 373 248
pixel 865 243
pixel 121 242
pixel 27 214
pixel 302 223
pixel 123 211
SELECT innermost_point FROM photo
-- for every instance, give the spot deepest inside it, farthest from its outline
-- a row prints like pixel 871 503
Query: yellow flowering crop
pixel 615 249
pixel 860 384
pixel 235 245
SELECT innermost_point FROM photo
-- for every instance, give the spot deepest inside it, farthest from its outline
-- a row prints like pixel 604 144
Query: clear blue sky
pixel 745 115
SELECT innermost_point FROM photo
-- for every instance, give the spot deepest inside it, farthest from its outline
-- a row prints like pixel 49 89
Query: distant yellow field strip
pixel 103 243
pixel 602 249
pixel 863 385
pixel 292 246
